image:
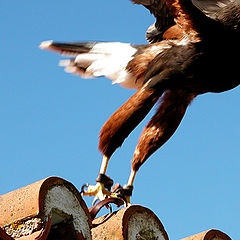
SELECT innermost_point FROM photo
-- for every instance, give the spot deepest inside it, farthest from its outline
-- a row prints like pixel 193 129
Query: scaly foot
pixel 101 190
pixel 98 190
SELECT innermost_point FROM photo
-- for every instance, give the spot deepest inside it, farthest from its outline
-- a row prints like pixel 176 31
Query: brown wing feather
pixel 139 64
pixel 186 16
pixel 164 19
pixel 173 33
pixel 191 16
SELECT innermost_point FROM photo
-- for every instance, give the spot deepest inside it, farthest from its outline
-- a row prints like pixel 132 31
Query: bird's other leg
pixel 160 128
pixel 123 121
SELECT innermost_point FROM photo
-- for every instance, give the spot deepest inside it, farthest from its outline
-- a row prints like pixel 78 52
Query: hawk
pixel 193 49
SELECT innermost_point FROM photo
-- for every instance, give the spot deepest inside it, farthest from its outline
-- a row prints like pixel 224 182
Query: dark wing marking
pixel 226 12
pixel 211 8
pixel 174 68
pixel 189 15
pixel 164 19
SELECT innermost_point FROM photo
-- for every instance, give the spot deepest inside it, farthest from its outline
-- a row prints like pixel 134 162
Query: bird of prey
pixel 193 49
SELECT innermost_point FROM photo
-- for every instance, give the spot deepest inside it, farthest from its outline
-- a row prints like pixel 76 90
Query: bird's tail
pixel 95 59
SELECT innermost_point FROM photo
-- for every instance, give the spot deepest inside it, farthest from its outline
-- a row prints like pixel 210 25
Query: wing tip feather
pixel 45 44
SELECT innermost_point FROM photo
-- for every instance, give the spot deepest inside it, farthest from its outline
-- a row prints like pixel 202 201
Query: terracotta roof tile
pixel 209 235
pixel 32 211
pixel 134 222
pixel 53 209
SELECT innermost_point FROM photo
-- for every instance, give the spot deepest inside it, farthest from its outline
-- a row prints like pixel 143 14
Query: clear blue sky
pixel 50 120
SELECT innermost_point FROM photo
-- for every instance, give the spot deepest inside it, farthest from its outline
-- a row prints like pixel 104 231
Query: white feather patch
pixel 109 60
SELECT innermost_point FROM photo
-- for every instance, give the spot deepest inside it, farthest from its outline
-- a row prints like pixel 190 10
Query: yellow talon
pixel 97 190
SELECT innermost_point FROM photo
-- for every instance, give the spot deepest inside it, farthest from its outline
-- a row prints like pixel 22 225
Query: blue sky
pixel 50 120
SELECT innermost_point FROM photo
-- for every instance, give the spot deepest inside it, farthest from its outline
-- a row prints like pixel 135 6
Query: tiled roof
pixel 209 235
pixel 53 209
pixel 29 212
pixel 134 222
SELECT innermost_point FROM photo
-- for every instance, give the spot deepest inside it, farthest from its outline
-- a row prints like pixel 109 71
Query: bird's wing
pixel 164 19
pixel 187 14
pixel 211 8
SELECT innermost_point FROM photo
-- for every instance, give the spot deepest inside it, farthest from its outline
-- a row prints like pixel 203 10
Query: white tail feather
pixel 104 59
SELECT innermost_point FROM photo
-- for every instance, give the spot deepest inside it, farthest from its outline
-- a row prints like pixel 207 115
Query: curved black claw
pixel 83 188
pixel 95 200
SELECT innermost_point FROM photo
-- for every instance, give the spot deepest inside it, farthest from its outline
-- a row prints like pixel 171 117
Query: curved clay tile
pixel 209 235
pixel 133 222
pixel 40 210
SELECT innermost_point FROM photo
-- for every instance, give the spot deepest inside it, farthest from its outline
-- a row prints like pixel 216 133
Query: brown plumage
pixel 174 32
pixel 162 125
pixel 194 50
pixel 125 119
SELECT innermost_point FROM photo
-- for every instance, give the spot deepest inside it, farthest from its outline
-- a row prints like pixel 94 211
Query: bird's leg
pixel 103 186
pixel 125 119
pixel 102 178
pixel 115 130
pixel 125 192
pixel 104 164
pixel 131 177
pixel 128 188
pixel 160 128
